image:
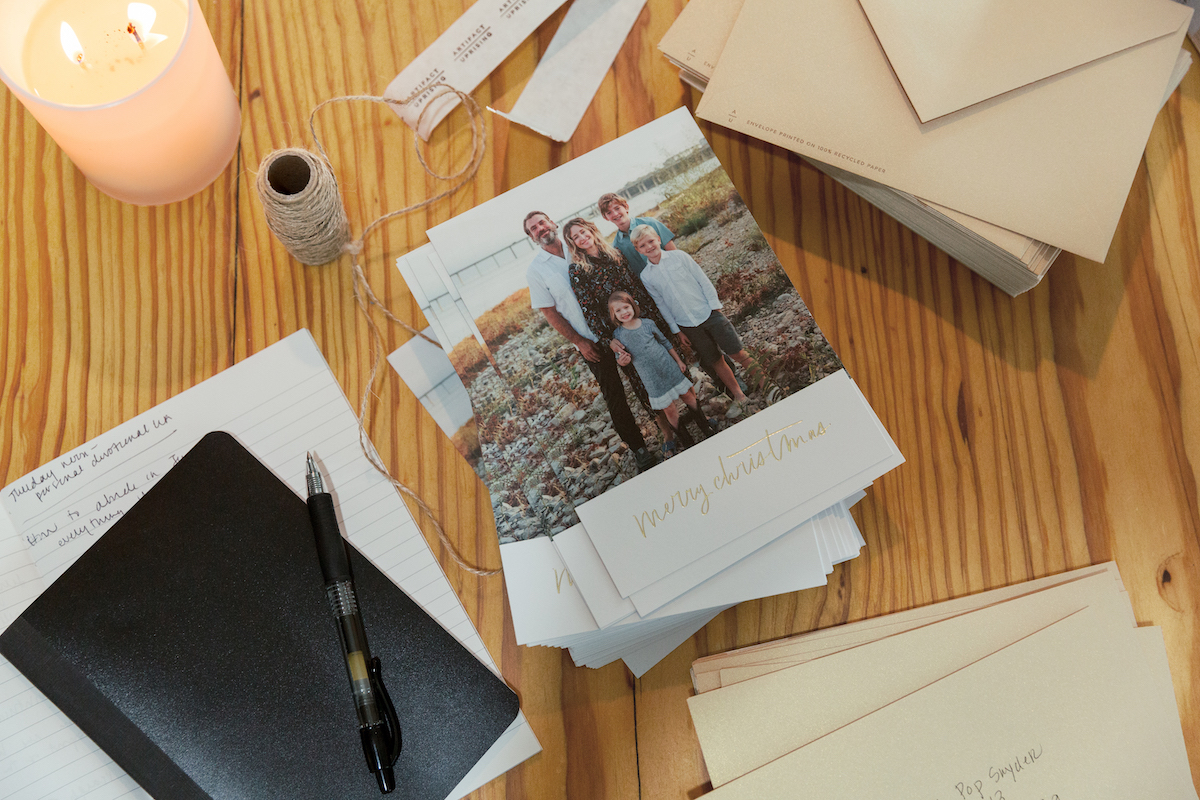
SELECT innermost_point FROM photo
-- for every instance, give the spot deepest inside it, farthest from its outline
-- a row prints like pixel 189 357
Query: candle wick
pixel 133 31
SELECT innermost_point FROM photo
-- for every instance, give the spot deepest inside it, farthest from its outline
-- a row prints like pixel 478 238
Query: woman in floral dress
pixel 597 270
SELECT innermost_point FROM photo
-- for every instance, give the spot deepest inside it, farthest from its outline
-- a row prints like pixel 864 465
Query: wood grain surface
pixel 1043 432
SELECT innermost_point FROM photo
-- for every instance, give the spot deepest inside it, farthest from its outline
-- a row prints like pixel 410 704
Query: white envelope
pixel 1053 160
pixel 949 54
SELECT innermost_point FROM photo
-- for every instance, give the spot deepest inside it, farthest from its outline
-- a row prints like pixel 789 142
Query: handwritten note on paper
pixel 990 787
pixel 279 403
pixel 62 507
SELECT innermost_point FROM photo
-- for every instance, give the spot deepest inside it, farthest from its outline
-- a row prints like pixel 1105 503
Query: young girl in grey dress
pixel 658 365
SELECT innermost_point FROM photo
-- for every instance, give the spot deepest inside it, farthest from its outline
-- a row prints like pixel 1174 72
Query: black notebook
pixel 193 643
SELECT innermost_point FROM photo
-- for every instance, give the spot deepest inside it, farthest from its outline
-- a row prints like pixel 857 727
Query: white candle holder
pixel 162 143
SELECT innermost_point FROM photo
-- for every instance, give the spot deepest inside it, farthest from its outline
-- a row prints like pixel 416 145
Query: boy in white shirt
pixel 690 306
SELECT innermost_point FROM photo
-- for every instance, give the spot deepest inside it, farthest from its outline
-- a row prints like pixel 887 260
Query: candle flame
pixel 141 21
pixel 71 44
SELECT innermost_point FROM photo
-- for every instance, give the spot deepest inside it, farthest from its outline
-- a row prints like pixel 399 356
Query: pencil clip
pixel 389 711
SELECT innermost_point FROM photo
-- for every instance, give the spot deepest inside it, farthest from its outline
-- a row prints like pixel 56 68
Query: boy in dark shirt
pixel 615 209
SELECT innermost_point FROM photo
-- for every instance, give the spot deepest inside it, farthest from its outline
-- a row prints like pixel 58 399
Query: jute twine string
pixel 314 226
pixel 302 205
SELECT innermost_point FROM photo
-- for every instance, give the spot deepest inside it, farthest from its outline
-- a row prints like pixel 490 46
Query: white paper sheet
pixel 573 66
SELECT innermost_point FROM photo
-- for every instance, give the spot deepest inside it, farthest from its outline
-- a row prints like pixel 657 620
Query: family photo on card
pixel 627 307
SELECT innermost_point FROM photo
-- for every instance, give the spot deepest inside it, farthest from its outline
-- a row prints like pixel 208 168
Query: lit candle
pixel 134 93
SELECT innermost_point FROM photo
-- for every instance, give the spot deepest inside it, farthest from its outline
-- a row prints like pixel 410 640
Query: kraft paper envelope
pixel 1074 710
pixel 698 34
pixel 949 54
pixel 1053 161
pixel 745 726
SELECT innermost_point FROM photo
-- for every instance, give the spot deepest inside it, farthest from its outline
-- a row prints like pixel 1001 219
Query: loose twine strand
pixel 311 223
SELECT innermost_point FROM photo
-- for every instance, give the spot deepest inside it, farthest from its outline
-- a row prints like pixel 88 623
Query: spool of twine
pixel 303 208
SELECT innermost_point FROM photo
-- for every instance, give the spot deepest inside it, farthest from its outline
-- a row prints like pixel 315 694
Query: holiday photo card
pixel 638 359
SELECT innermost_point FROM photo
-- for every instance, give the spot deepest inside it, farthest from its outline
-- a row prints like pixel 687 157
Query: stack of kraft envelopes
pixel 1002 132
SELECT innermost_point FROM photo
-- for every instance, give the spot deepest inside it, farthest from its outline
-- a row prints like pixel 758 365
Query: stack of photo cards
pixel 832 534
pixel 634 503
pixel 960 122
pixel 1045 689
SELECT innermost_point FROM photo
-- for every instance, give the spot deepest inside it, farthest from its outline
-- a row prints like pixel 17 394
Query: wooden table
pixel 1042 433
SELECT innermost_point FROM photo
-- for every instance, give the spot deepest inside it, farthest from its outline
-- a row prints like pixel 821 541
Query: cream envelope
pixel 1053 161
pixel 1078 709
pixel 949 54
pixel 745 726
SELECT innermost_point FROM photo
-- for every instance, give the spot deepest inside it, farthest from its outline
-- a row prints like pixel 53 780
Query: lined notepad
pixel 279 403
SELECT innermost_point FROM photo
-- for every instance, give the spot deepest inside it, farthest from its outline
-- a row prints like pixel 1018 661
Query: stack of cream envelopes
pixel 1042 690
pixel 609 558
pixel 1002 132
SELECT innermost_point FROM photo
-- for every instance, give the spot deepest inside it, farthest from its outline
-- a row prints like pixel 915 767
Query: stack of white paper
pixel 600 557
pixel 1043 690
pixel 1003 132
